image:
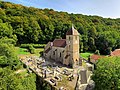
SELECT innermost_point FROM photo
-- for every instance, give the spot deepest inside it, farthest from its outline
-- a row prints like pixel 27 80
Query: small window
pixel 75 37
pixel 60 54
pixel 69 38
pixel 53 52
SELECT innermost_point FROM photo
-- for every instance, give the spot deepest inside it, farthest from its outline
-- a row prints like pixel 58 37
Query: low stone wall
pixel 43 85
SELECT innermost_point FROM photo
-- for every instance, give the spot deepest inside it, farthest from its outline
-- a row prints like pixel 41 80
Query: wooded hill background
pixel 32 25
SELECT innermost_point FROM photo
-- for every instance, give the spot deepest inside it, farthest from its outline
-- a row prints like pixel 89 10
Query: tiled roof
pixel 72 31
pixel 59 42
pixel 95 57
pixel 115 53
pixel 46 51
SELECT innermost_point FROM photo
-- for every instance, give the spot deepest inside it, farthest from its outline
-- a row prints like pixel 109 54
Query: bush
pixel 31 49
pixel 107 74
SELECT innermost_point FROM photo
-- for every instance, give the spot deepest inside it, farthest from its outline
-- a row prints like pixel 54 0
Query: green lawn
pixel 21 50
pixel 24 51
pixel 86 55
pixel 38 50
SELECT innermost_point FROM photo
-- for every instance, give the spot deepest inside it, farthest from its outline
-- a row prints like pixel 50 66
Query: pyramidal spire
pixel 72 31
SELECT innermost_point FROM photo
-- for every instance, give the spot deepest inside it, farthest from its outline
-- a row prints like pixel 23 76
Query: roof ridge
pixel 59 39
pixel 72 31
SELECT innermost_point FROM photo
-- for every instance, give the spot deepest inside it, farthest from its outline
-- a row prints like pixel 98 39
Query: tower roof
pixel 72 31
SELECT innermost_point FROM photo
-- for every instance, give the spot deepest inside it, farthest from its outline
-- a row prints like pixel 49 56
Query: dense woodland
pixel 32 25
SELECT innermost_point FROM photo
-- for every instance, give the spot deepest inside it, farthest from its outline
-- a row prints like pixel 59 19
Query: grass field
pixel 38 50
pixel 86 55
pixel 21 50
pixel 24 51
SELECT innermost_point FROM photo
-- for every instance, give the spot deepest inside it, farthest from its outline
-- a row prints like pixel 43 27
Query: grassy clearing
pixel 21 51
pixel 38 50
pixel 86 55
pixel 24 51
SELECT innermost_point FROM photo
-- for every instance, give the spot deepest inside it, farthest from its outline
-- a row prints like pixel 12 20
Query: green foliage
pixel 22 50
pixel 8 56
pixel 32 25
pixel 107 74
pixel 9 80
pixel 7 40
pixel 34 45
pixel 31 49
pixel 39 51
pixel 107 40
pixel 86 55
pixel 5 30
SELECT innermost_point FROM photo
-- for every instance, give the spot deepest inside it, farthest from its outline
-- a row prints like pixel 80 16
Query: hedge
pixel 34 45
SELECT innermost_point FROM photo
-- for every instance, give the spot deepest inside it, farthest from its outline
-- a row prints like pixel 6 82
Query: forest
pixel 32 25
pixel 21 26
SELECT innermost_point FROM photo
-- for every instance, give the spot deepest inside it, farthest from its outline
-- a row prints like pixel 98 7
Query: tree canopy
pixel 33 25
pixel 107 74
pixel 9 80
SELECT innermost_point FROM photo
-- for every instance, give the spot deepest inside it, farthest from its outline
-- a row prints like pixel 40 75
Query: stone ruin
pixel 84 81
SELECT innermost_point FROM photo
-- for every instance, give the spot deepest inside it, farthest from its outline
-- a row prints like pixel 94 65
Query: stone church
pixel 65 51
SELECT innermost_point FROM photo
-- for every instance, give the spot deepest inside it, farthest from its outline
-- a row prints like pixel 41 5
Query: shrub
pixel 31 49
pixel 107 74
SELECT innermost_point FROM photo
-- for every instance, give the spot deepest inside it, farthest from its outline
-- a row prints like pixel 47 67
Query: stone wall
pixel 57 54
pixel 41 84
pixel 84 81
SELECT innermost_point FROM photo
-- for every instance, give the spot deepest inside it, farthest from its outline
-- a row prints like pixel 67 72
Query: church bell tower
pixel 72 41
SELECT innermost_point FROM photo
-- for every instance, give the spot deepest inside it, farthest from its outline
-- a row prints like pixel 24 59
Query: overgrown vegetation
pixel 9 64
pixel 107 74
pixel 9 80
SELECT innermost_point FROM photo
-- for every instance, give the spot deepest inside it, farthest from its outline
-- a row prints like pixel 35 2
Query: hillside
pixel 33 25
